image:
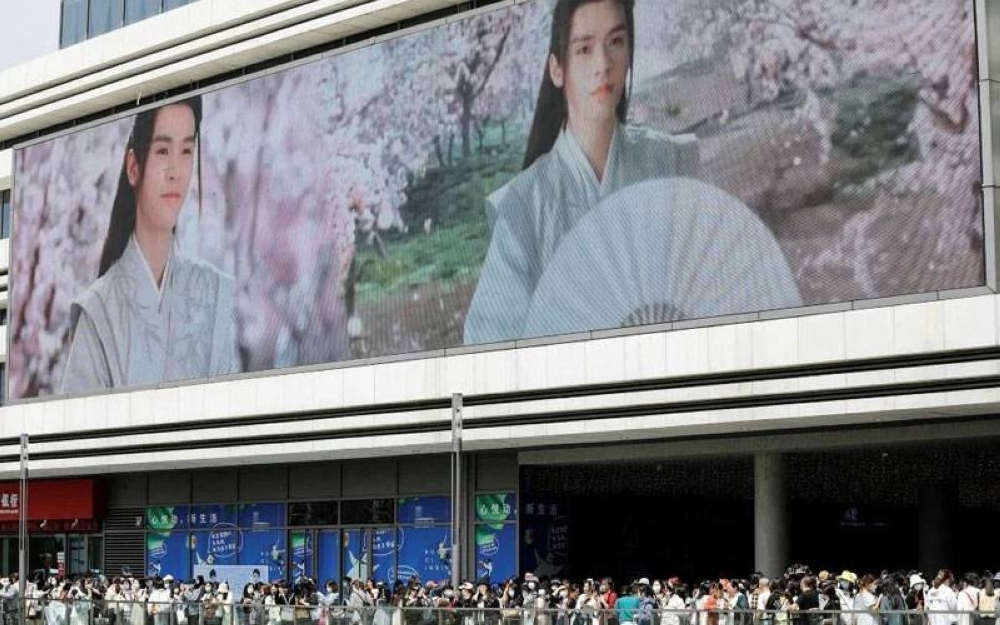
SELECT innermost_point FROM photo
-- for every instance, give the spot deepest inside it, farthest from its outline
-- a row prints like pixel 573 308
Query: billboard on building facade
pixel 532 170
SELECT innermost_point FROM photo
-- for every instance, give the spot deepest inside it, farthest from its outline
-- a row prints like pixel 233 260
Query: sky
pixel 28 29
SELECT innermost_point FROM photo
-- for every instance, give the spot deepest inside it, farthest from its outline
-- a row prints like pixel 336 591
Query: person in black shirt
pixel 808 600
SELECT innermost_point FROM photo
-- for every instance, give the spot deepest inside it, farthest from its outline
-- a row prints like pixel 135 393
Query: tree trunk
pixel 438 151
pixel 503 133
pixel 467 127
pixel 451 148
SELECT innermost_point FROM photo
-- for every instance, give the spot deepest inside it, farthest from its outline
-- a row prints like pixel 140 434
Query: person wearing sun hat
pixel 845 594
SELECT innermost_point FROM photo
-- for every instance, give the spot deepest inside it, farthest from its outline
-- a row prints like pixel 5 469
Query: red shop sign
pixel 52 500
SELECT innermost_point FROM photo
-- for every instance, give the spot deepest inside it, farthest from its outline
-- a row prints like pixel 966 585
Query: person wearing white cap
pixel 915 598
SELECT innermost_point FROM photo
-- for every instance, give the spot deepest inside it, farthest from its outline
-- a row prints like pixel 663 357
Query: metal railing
pixel 214 611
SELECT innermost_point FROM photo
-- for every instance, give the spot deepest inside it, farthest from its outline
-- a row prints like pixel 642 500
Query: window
pixel 83 19
pixel 3 316
pixel 368 511
pixel 3 384
pixel 4 214
pixel 105 16
pixel 312 513
pixel 136 10
pixel 74 22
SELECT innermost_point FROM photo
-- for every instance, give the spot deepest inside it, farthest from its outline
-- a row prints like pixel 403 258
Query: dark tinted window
pixel 105 16
pixel 74 22
pixel 312 513
pixel 4 214
pixel 136 10
pixel 368 511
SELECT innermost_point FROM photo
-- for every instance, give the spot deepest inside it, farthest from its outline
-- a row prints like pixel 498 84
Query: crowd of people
pixel 799 597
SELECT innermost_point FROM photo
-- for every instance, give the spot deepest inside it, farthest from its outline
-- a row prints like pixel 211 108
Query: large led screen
pixel 544 168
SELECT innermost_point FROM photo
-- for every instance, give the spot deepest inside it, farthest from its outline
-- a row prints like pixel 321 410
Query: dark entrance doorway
pixel 631 520
pixel 864 510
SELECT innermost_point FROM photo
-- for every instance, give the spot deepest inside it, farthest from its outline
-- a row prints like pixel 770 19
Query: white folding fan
pixel 660 251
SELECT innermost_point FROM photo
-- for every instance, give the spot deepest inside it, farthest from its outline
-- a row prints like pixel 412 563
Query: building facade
pixel 859 433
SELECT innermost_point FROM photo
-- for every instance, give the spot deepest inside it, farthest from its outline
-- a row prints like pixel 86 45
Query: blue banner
pixel 208 517
pixel 421 510
pixel 266 549
pixel 328 544
pixel 357 562
pixel 261 516
pixel 496 551
pixel 369 553
pixel 424 552
pixel 219 546
pixel 383 553
pixel 167 552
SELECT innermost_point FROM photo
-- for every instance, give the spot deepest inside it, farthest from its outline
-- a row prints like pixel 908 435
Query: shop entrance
pixel 865 510
pixel 369 552
pixel 632 520
pixel 79 554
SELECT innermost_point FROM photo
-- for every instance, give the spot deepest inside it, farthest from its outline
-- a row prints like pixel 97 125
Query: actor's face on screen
pixel 162 185
pixel 595 69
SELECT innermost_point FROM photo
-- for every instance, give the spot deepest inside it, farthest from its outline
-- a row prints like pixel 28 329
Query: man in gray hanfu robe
pixel 535 211
pixel 128 331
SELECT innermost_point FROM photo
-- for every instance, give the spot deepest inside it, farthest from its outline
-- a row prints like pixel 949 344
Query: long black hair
pixel 123 209
pixel 550 110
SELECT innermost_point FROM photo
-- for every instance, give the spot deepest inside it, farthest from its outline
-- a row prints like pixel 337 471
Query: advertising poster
pixel 261 515
pixel 328 545
pixel 235 575
pixel 302 554
pixel 496 507
pixel 357 555
pixel 211 516
pixel 265 550
pixel 383 551
pixel 544 538
pixel 424 510
pixel 167 553
pixel 167 544
pixel 167 517
pixel 424 552
pixel 496 551
pixel 480 181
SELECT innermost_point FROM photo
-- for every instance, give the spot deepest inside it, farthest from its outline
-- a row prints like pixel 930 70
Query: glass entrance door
pixel 369 553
